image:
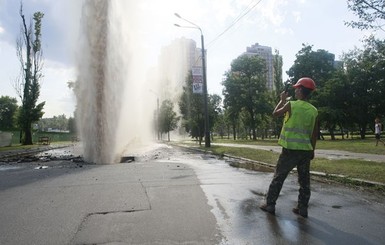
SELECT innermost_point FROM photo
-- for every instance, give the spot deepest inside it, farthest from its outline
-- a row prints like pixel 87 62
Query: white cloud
pixel 274 12
pixel 2 30
pixel 223 10
pixel 284 31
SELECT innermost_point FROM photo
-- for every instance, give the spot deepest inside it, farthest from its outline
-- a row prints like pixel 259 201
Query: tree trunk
pixel 28 135
pixel 254 134
pixel 342 131
pixel 234 132
pixel 363 131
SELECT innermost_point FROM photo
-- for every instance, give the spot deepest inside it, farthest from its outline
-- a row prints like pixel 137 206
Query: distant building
pixel 338 64
pixel 266 54
pixel 174 61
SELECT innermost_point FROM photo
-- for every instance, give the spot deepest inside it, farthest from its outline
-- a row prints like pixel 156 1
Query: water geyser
pixel 100 82
pixel 117 87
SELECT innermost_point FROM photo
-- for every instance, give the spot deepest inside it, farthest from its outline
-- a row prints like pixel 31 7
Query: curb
pixel 19 153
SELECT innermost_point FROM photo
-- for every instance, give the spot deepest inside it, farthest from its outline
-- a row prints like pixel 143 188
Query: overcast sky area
pixel 281 24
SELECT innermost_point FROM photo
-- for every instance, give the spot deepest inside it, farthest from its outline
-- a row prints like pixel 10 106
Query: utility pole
pixel 205 95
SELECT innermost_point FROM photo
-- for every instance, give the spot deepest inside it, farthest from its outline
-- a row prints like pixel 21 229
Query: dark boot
pixel 268 208
pixel 300 211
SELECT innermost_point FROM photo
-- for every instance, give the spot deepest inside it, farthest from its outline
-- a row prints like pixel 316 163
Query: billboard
pixel 197 84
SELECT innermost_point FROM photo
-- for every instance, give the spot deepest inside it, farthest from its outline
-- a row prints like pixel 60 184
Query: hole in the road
pixel 127 159
pixel 337 206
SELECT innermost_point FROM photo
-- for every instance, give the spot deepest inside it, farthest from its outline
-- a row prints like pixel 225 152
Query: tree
pixel 319 65
pixel 27 85
pixel 333 100
pixel 371 14
pixel 167 118
pixel 220 125
pixel 191 109
pixel 8 109
pixel 245 88
pixel 214 109
pixel 232 104
pixel 56 122
pixel 365 73
pixel 72 125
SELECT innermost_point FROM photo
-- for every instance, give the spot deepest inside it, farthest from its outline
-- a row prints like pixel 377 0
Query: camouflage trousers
pixel 286 162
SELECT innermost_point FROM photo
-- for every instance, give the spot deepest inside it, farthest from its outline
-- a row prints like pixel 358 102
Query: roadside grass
pixel 351 168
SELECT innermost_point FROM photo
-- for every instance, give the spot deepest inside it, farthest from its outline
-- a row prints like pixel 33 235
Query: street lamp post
pixel 207 128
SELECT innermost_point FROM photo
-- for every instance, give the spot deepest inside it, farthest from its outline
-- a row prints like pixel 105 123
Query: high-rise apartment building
pixel 174 62
pixel 266 54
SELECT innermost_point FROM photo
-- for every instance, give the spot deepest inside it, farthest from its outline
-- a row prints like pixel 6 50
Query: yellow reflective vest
pixel 298 127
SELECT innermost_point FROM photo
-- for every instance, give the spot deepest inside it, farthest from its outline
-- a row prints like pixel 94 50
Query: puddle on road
pixel 250 166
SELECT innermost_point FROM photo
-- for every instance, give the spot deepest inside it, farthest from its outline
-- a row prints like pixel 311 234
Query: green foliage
pixel 8 110
pixel 319 65
pixel 245 90
pixel 167 118
pixel 72 125
pixel 57 122
pixel 371 14
pixel 221 125
pixel 365 74
pixel 191 108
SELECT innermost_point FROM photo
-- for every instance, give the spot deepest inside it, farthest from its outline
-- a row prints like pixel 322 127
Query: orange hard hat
pixel 305 82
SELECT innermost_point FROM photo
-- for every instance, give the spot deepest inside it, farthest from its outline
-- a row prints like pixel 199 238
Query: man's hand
pixel 284 96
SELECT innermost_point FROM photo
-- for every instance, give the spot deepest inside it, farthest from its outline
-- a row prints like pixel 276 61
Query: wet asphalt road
pixel 337 214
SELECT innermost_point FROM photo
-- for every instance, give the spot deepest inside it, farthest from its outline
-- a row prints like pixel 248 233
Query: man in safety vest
pixel 298 139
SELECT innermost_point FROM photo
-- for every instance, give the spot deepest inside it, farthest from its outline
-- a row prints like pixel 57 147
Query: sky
pixel 283 25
